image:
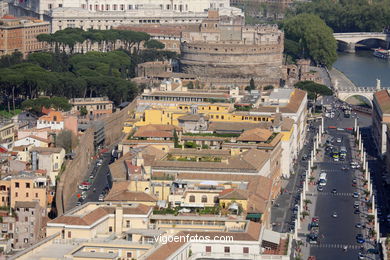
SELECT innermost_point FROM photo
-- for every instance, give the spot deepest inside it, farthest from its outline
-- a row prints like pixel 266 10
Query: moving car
pixel 334 191
pixel 356 194
pixel 335 215
pixel 101 197
pixel 338 140
pixel 320 188
pixel 357 211
pixel 360 239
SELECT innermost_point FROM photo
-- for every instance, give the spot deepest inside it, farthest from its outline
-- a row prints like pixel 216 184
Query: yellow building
pixel 7 134
pixel 28 187
pixel 5 186
pixel 169 115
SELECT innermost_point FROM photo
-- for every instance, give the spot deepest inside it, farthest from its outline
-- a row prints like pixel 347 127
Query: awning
pixel 233 206
pixel 271 236
pixel 254 216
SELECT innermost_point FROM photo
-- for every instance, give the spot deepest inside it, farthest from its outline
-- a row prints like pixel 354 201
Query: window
pixel 26 194
pixel 16 184
pixel 127 223
pixel 245 250
pixel 25 240
pixel 59 5
pixel 16 194
pixel 109 229
pixel 114 7
pixel 192 198
pixel 69 234
pixel 204 199
pixel 208 249
pixel 36 195
pixel 227 249
pixel 26 219
pixel 129 254
pixel 27 185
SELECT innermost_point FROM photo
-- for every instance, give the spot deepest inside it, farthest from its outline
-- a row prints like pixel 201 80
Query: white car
pixel 101 197
pixel 338 140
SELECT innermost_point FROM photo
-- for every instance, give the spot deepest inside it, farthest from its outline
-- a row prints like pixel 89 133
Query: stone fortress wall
pixel 231 50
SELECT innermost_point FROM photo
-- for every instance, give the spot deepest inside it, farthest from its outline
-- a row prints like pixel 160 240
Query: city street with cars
pixel 98 179
pixel 336 225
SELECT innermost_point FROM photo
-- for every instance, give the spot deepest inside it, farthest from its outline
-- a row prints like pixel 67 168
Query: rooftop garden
pixel 175 211
pixel 242 108
pixel 190 158
pixel 212 134
pixel 269 140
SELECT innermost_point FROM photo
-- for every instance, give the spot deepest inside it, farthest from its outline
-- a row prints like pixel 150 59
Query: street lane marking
pixel 321 245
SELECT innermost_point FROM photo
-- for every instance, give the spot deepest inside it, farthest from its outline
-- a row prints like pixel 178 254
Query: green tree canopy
pixel 154 44
pixel 36 105
pixel 309 35
pixel 314 90
pixel 348 15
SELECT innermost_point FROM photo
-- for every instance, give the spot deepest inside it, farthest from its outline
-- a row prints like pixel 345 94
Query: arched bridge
pixel 351 39
pixel 343 91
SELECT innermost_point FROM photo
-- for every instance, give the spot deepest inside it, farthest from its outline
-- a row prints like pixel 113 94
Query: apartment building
pixel 380 119
pixel 49 159
pixel 28 228
pixel 7 134
pixel 27 187
pixel 57 121
pixel 95 107
pixel 19 34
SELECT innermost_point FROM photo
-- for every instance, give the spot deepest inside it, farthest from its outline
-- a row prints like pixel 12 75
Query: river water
pixel 362 68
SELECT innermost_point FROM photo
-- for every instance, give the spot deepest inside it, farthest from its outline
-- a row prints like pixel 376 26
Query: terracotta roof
pixel 85 220
pixel 192 117
pixel 234 194
pixel 163 131
pixel 255 135
pixel 47 149
pixel 192 151
pixel 287 124
pixel 37 138
pixel 55 116
pixel 20 148
pixel 130 196
pixel 98 213
pixel 382 98
pixel 154 30
pixel 118 168
pixel 233 126
pixel 292 106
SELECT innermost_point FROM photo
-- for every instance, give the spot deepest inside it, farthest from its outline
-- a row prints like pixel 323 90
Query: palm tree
pixel 311 178
pixel 307 201
pixel 305 214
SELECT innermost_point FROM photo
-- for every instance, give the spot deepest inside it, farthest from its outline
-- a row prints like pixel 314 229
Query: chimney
pixel 118 219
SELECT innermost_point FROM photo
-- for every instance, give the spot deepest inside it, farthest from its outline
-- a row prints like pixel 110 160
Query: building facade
pixel 95 107
pixel 105 15
pixel 380 119
pixel 19 34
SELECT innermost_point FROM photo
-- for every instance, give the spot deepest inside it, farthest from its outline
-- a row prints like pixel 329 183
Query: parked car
pixel 101 197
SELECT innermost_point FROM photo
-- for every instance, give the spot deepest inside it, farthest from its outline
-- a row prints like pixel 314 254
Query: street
pixel 101 180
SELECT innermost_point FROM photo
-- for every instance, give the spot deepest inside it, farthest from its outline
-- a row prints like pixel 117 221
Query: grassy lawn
pixel 6 114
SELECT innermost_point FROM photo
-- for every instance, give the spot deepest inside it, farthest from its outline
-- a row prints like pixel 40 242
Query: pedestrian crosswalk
pixel 349 194
pixel 341 246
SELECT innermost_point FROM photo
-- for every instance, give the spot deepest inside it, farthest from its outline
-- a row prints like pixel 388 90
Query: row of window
pixel 242 118
pixel 203 199
pixel 245 250
pixel 27 195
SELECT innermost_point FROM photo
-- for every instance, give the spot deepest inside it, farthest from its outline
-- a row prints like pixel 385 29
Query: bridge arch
pixel 366 95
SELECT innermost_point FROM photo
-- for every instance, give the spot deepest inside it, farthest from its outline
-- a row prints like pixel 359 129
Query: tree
pixel 314 90
pixel 67 140
pixel 154 44
pixel 312 37
pixel 175 139
pixel 83 111
pixel 251 86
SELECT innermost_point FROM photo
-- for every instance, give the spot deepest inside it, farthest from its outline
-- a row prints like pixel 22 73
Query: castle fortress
pixel 224 48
